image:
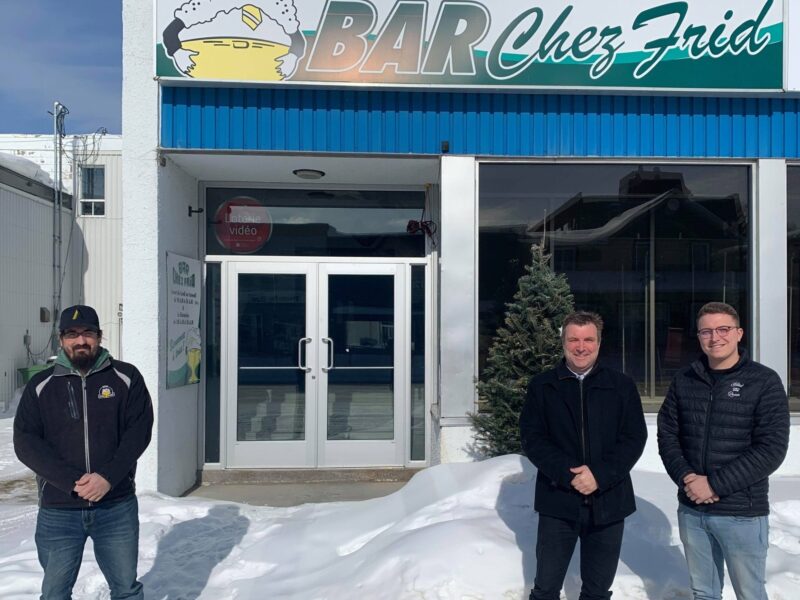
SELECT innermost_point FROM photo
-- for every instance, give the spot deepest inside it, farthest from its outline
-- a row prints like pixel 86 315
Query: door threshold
pixel 310 475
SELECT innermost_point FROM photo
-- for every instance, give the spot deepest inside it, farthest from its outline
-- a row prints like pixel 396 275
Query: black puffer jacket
pixel 67 425
pixel 735 431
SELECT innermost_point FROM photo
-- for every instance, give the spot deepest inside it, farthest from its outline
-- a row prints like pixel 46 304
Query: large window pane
pixel 361 354
pixel 277 222
pixel 793 260
pixel 417 363
pixel 212 336
pixel 643 245
pixel 271 395
pixel 93 183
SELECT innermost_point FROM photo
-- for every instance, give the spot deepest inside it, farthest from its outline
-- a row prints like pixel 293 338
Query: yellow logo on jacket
pixel 106 392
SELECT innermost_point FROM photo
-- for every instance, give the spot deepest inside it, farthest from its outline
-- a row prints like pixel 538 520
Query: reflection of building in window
pixel 369 334
pixel 93 191
pixel 645 246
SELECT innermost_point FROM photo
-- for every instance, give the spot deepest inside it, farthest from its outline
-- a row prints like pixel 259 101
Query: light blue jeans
pixel 741 542
pixel 114 528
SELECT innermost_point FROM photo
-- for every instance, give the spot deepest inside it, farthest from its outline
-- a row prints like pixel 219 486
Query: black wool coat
pixel 734 430
pixel 551 426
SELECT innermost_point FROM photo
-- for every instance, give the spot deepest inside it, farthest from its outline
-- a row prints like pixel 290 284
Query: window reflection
pixel 643 245
pixel 271 395
pixel 417 363
pixel 213 308
pixel 322 223
pixel 793 263
pixel 361 382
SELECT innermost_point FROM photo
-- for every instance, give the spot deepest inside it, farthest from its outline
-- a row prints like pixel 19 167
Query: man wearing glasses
pixel 722 430
pixel 81 425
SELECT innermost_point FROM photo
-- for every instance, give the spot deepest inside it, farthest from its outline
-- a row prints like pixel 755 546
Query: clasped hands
pixel 92 487
pixel 584 480
pixel 698 489
pixel 696 486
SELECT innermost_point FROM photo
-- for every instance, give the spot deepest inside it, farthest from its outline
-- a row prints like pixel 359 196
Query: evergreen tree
pixel 528 344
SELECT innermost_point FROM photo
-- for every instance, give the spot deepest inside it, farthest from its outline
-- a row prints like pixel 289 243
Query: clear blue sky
pixel 65 51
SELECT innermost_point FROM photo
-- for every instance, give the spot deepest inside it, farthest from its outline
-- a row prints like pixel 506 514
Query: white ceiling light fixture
pixel 309 173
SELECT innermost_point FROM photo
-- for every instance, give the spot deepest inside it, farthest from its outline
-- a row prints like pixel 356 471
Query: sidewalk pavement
pixel 294 494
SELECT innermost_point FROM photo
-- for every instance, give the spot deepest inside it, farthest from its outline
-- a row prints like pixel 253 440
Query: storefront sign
pixel 184 347
pixel 792 35
pixel 242 225
pixel 693 44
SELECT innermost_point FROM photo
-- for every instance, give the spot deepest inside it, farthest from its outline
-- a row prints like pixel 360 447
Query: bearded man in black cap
pixel 81 425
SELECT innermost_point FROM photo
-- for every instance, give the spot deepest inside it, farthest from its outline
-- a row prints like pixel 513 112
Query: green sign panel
pixel 737 44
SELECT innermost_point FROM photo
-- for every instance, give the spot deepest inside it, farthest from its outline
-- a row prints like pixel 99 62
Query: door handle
pixel 300 364
pixel 329 342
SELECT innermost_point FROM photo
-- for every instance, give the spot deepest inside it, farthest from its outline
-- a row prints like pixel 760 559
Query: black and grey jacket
pixel 732 428
pixel 68 425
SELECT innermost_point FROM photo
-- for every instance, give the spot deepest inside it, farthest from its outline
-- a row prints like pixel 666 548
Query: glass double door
pixel 315 369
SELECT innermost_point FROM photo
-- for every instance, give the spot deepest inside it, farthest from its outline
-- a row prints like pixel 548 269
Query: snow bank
pixel 10 467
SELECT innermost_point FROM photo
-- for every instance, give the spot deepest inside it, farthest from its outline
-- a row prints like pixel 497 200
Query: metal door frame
pixel 238 455
pixel 362 453
pixel 249 454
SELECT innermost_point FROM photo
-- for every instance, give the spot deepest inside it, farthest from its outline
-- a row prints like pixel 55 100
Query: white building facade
pixel 92 173
pixel 35 270
pixel 371 177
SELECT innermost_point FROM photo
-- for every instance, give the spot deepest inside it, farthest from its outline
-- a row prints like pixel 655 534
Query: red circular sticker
pixel 242 225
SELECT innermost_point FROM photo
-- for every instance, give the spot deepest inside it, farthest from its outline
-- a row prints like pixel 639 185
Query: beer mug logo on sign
pixel 229 40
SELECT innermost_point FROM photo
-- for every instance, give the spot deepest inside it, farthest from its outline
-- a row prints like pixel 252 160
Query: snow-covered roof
pixel 26 168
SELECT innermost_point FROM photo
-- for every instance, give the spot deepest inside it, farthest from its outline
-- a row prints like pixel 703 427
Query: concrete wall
pixel 155 198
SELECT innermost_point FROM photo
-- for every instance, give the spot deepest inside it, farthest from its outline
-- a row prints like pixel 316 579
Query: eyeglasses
pixel 74 335
pixel 722 331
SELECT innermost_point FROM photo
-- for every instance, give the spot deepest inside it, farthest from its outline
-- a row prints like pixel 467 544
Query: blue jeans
pixel 555 543
pixel 741 542
pixel 114 528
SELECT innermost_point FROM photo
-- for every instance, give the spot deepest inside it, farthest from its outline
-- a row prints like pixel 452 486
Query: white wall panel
pixel 458 344
pixel 26 275
pixel 97 245
pixel 179 408
pixel 770 255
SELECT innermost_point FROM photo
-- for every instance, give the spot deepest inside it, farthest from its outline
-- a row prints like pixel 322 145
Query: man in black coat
pixel 722 430
pixel 80 426
pixel 583 428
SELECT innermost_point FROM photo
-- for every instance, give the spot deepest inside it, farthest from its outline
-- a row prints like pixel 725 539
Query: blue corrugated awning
pixel 486 124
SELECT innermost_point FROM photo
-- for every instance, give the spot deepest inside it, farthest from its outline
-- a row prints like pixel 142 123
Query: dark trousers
pixel 555 543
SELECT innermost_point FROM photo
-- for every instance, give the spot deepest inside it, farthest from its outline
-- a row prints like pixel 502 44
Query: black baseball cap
pixel 79 316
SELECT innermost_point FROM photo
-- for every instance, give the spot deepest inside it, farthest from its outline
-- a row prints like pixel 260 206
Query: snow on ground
pixel 457 531
pixel 10 467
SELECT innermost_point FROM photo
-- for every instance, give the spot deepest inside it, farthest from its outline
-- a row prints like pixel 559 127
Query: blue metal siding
pixel 416 122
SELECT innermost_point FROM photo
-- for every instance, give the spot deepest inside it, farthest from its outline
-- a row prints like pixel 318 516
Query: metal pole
pixel 59 112
pixel 56 219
